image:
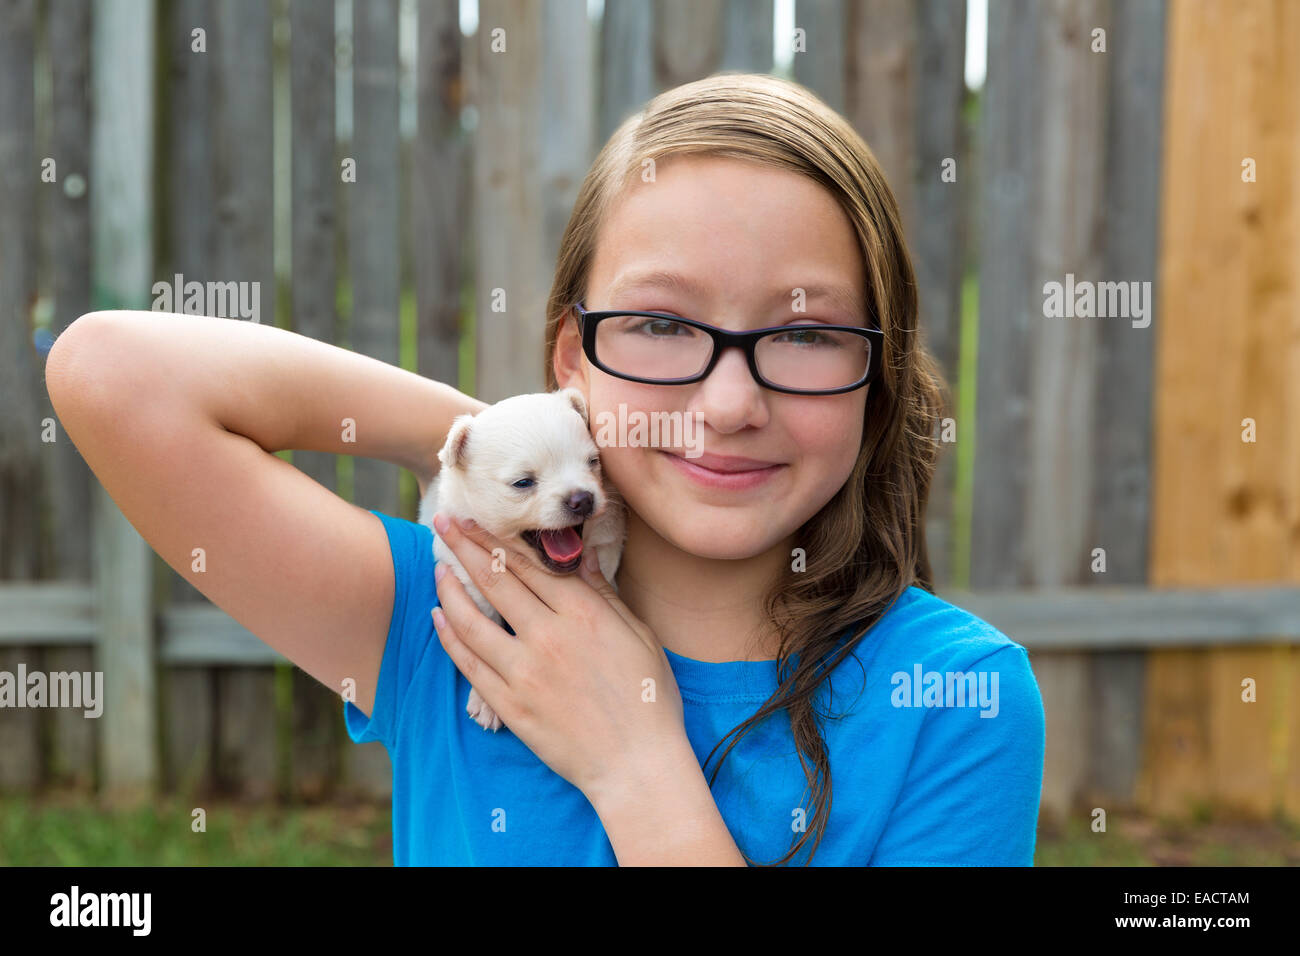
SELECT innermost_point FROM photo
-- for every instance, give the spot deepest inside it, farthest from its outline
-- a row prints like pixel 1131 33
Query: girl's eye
pixel 523 483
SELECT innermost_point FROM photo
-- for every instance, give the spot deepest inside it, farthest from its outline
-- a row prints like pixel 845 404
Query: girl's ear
pixel 577 401
pixel 454 451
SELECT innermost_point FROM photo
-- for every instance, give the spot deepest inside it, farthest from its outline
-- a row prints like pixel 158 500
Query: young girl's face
pixel 746 237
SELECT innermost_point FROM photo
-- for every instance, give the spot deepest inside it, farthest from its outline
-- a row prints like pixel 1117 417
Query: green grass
pixel 75 832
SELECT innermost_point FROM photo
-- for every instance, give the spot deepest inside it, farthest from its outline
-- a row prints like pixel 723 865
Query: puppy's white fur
pixel 542 437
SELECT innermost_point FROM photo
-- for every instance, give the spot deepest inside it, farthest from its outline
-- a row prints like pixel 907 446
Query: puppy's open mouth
pixel 560 549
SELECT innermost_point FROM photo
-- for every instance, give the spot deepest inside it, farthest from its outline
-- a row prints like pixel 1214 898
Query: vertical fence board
pixel 317 727
pixel 189 701
pixel 373 251
pixel 374 266
pixel 512 278
pixel 1126 369
pixel 936 236
pixel 439 192
pixel 69 25
pixel 568 104
pixel 122 150
pixel 187 248
pixel 688 40
pixel 626 80
pixel 20 446
pixel 821 65
pixel 240 44
pixel 747 27
pixel 72 736
pixel 880 66
pixel 1009 152
pixel 1226 509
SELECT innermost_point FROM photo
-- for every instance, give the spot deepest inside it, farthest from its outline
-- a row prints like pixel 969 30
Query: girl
pixel 775 591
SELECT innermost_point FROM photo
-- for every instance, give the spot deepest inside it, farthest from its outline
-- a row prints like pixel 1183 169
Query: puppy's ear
pixel 577 401
pixel 454 451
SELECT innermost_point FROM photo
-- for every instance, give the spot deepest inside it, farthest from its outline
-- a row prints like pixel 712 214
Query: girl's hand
pixel 584 684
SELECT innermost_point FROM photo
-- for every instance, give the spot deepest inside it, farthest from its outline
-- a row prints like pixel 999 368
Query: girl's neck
pixel 702 608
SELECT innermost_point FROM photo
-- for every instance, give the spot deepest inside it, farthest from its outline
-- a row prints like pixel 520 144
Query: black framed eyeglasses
pixel 660 349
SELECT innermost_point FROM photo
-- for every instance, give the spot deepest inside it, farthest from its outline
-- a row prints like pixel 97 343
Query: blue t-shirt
pixel 938 759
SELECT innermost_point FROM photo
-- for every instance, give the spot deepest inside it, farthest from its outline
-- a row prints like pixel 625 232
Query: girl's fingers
pixel 505 577
pixel 593 576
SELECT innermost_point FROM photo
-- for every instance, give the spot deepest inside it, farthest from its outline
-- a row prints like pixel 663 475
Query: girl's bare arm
pixel 178 416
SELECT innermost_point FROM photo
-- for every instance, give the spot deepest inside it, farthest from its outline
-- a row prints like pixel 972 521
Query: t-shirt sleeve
pixel 972 789
pixel 410 632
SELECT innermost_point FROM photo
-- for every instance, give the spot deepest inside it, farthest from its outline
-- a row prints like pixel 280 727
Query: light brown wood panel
pixel 1226 510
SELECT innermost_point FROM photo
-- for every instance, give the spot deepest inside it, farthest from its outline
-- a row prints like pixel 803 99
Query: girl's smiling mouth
pixel 731 479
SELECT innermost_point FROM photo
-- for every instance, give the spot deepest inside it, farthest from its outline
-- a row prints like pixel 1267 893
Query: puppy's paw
pixel 483 715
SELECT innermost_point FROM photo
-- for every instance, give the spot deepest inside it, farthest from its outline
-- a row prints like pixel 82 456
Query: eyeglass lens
pixel 803 358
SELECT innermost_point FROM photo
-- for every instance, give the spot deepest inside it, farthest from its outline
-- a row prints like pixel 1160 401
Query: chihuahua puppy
pixel 527 468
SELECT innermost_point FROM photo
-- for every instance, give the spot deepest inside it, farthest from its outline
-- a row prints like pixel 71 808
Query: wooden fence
pixel 1081 443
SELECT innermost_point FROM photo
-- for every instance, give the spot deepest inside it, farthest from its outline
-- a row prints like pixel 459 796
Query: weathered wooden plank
pixel 1078 618
pixel 48 612
pixel 1126 372
pixel 1175 777
pixel 314 175
pixel 512 276
pixel 189 704
pixel 189 218
pixel 20 445
pixel 1062 679
pixel 71 736
pixel 880 67
pixel 567 144
pixel 70 266
pixel 122 147
pixel 242 128
pixel 1099 618
pixel 318 736
pixel 626 65
pixel 747 27
pixel 373 239
pixel 439 192
pixel 821 66
pixel 936 235
pixel 70 760
pixel 688 40
pixel 373 243
pixel 1008 309
pixel 20 755
pixel 246 733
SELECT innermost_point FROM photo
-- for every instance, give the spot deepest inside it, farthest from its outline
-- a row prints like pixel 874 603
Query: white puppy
pixel 527 468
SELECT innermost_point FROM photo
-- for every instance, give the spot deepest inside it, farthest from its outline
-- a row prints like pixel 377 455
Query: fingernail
pixel 438 620
pixel 439 571
pixel 440 523
pixel 467 523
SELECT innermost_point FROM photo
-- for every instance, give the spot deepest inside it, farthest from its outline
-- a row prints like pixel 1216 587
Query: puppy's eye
pixel 523 483
pixel 595 462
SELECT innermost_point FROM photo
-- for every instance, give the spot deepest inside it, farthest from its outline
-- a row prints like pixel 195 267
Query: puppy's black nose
pixel 580 503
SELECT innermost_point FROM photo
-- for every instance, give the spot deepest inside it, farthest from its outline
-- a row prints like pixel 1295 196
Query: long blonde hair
pixel 867 544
